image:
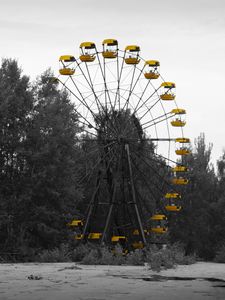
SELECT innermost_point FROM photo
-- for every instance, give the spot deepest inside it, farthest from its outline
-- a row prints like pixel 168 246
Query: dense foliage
pixel 38 172
pixel 41 159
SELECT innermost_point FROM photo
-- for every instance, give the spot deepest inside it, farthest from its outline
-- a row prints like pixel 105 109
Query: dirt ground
pixel 68 281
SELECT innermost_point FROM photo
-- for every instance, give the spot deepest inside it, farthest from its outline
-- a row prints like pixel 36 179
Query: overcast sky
pixel 187 37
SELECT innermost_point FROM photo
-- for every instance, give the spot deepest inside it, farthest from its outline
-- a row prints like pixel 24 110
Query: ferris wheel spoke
pixel 132 86
pixel 148 108
pixel 151 167
pixel 97 101
pixel 142 95
pixel 143 176
pixel 155 193
pixel 158 118
pixel 90 84
pixel 119 76
pixel 166 158
pixel 145 101
pixel 155 122
pixel 103 73
pixel 102 158
pixel 82 101
pixel 92 88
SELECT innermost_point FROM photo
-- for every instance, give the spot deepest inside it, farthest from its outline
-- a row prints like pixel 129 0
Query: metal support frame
pixel 92 204
pixel 134 195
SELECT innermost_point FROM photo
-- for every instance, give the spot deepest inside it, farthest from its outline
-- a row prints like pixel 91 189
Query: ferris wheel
pixel 132 143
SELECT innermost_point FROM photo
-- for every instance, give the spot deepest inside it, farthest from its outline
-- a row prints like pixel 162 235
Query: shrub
pixel 168 257
pixel 154 259
pixel 61 254
pixel 104 256
pixel 107 257
pixel 91 258
pixel 135 258
pixel 119 258
pixel 80 252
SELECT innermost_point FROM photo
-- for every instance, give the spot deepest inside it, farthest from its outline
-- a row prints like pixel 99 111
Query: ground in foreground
pixel 68 281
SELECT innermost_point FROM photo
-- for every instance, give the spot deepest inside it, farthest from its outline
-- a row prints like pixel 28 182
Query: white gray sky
pixel 187 37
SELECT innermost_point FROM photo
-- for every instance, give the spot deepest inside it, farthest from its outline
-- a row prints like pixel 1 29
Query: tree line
pixel 41 161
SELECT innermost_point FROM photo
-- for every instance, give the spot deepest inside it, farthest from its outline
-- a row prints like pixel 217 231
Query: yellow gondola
pixel 180 181
pixel 110 48
pixel 76 223
pixel 153 69
pixel 182 140
pixel 66 71
pixel 118 238
pixel 177 123
pixel 79 236
pixel 94 236
pixel 138 245
pixel 178 111
pixel 158 223
pixel 180 168
pixel 172 196
pixel 182 151
pixel 136 232
pixel 171 201
pixel 168 91
pixel 184 148
pixel 132 55
pixel 159 229
pixel 66 61
pixel 67 58
pixel 88 51
pixel 173 207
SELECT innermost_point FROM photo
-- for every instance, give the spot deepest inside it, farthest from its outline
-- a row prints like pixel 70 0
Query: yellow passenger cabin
pixel 67 59
pixel 183 147
pixel 88 51
pixel 152 69
pixel 178 111
pixel 178 123
pixel 65 62
pixel 136 232
pixel 158 224
pixel 172 196
pixel 183 151
pixel 138 245
pixel 179 168
pixel 94 236
pixel 110 48
pixel 182 140
pixel 132 55
pixel 118 238
pixel 79 236
pixel 76 223
pixel 172 201
pixel 173 207
pixel 179 181
pixel 168 91
pixel 66 71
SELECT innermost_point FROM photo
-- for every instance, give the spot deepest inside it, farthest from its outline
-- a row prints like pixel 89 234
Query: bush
pixel 61 254
pixel 220 255
pixel 104 256
pixel 80 252
pixel 89 254
pixel 135 258
pixel 91 258
pixel 167 257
